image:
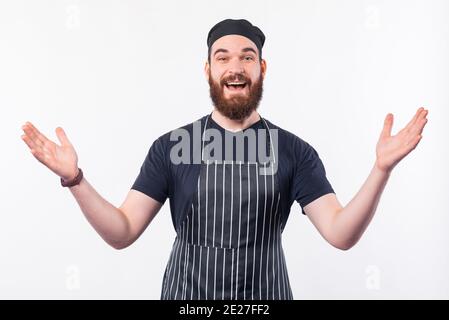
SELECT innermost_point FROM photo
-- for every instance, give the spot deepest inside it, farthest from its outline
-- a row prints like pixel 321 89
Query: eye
pixel 249 58
pixel 221 58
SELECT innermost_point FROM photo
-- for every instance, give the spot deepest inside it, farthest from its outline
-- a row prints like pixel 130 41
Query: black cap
pixel 241 27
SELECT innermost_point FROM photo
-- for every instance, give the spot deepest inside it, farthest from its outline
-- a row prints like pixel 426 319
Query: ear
pixel 206 70
pixel 263 67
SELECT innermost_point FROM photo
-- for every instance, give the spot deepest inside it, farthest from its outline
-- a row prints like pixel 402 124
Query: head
pixel 235 71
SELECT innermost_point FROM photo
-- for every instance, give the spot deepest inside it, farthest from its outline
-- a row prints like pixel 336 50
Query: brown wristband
pixel 74 181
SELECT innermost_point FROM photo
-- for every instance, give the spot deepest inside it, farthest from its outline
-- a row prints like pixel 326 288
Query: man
pixel 229 207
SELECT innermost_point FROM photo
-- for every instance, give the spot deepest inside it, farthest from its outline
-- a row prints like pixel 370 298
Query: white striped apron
pixel 229 244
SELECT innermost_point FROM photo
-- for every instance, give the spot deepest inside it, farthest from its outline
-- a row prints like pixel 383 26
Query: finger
pixel 415 117
pixel 420 122
pixel 388 125
pixel 38 152
pixel 62 137
pixel 38 134
pixel 423 114
pixel 30 143
pixel 32 135
pixel 418 127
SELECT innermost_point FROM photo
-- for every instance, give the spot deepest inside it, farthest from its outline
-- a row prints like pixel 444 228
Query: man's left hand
pixel 392 149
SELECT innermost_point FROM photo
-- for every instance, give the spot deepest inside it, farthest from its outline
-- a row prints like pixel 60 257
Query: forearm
pixel 352 220
pixel 110 222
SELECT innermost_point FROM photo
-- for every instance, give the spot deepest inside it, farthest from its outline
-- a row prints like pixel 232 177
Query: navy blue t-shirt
pixel 301 174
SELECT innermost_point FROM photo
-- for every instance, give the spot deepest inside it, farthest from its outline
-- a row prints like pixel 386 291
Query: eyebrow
pixel 247 49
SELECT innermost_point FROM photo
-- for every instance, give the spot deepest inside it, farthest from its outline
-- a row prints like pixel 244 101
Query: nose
pixel 235 66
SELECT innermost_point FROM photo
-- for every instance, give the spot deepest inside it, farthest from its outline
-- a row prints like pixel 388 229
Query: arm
pixel 119 227
pixel 343 226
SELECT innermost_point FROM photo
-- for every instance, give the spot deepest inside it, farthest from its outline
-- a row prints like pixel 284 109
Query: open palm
pixel 61 159
pixel 392 149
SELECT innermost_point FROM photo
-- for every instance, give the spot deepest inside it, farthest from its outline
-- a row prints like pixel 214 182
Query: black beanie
pixel 241 27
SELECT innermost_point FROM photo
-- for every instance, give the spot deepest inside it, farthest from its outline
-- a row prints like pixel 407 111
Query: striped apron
pixel 229 244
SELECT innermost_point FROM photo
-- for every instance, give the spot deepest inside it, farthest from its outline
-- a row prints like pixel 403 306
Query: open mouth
pixel 235 86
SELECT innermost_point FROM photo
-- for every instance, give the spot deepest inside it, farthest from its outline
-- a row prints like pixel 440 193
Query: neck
pixel 235 125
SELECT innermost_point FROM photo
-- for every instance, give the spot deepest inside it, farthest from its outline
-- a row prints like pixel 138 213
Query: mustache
pixel 237 77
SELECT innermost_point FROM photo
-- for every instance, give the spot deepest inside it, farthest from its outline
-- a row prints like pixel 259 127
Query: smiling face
pixel 235 74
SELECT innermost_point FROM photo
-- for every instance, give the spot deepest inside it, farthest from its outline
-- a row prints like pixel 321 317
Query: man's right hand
pixel 61 159
pixel 119 227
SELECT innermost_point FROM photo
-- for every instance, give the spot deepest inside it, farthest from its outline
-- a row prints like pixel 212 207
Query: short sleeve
pixel 309 181
pixel 153 177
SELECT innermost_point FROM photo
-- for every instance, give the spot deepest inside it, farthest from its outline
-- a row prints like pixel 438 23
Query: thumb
pixel 388 124
pixel 62 137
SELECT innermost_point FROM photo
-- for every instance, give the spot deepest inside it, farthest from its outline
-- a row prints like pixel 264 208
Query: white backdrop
pixel 118 74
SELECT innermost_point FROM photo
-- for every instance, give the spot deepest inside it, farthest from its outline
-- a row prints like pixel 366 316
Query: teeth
pixel 236 83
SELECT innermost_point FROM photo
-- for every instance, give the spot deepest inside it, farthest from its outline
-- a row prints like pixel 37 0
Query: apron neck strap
pixel 269 142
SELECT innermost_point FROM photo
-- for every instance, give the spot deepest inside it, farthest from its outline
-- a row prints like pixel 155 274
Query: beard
pixel 238 106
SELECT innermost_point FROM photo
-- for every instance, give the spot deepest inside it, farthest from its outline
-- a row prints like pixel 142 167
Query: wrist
pixel 73 181
pixel 71 176
pixel 381 169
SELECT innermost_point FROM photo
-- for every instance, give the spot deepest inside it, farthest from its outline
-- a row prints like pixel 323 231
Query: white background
pixel 118 74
